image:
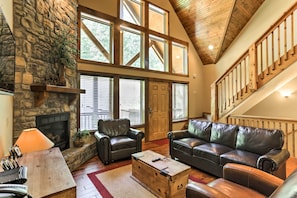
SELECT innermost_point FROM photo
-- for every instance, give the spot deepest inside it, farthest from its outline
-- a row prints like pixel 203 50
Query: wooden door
pixel 158 110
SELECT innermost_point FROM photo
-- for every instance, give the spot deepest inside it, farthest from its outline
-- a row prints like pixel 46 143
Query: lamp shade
pixel 33 140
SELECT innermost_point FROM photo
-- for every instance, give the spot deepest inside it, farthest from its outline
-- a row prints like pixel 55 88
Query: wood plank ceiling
pixel 214 22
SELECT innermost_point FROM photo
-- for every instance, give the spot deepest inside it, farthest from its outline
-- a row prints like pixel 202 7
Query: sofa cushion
pixel 121 142
pixel 186 144
pixel 224 134
pixel 200 129
pixel 211 151
pixel 258 140
pixel 239 157
pixel 115 127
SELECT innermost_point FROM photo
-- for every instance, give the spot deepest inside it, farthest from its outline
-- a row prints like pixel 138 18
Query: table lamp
pixel 32 140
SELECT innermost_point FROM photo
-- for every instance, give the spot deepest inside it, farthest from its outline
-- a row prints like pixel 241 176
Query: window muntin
pixel 179 101
pixel 158 54
pixel 96 39
pixel 132 48
pixel 97 102
pixel 158 19
pixel 179 59
pixel 132 11
pixel 132 100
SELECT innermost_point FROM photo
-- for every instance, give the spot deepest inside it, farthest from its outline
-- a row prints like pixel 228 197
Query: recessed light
pixel 210 47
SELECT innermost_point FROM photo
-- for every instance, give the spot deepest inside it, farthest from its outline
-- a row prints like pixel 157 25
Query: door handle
pixel 150 110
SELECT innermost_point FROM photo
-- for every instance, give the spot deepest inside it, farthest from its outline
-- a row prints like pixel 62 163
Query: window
pixel 132 100
pixel 179 59
pixel 96 39
pixel 158 19
pixel 179 101
pixel 158 54
pixel 132 48
pixel 132 11
pixel 97 102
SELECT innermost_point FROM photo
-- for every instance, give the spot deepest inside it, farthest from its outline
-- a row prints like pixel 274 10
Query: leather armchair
pixel 245 181
pixel 116 140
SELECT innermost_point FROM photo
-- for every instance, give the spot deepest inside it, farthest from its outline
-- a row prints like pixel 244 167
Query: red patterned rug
pixel 117 182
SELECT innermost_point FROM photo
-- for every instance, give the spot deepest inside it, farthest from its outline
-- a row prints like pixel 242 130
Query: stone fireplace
pixel 56 127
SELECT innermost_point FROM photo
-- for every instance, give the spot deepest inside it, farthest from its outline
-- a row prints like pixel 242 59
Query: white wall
pixel 7 8
pixel 6 101
pixel 6 120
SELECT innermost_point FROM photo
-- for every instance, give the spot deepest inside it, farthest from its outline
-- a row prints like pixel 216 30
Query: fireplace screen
pixel 56 128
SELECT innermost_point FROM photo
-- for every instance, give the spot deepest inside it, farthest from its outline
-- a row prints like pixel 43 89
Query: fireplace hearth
pixel 56 127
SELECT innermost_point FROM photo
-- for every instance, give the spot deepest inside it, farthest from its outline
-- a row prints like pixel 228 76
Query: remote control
pixel 157 159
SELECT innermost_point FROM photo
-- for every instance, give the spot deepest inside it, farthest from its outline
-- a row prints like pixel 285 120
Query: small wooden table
pixel 48 174
pixel 164 177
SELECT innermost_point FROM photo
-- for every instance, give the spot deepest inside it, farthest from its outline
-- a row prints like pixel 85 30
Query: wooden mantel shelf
pixel 42 92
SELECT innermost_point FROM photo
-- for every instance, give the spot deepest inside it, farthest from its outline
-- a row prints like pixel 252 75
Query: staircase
pixel 269 63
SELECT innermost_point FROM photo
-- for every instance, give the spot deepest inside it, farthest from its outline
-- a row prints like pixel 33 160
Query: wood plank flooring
pixel 85 188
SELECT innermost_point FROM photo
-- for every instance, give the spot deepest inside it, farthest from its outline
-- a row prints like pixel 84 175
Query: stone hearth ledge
pixel 76 156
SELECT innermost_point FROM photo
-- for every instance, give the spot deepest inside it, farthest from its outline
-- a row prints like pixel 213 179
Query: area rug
pixel 119 183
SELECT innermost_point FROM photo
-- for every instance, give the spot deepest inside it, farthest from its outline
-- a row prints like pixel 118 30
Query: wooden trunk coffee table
pixel 164 176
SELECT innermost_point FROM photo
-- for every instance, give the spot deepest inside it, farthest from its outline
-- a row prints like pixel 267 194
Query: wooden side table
pixel 48 174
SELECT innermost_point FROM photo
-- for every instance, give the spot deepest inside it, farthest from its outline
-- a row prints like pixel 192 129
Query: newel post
pixel 214 102
pixel 253 68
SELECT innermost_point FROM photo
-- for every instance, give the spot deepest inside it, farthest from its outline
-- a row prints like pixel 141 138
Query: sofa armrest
pixel 173 135
pixel 202 191
pixel 272 160
pixel 251 177
pixel 135 134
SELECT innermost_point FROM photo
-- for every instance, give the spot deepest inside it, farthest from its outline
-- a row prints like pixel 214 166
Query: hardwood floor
pixel 85 188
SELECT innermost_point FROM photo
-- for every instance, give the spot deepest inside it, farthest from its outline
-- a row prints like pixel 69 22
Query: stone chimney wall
pixel 36 23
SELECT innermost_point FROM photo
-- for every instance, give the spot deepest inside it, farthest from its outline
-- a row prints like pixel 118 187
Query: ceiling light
pixel 286 93
pixel 210 47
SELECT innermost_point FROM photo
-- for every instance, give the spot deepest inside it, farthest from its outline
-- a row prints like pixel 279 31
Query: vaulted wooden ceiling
pixel 214 22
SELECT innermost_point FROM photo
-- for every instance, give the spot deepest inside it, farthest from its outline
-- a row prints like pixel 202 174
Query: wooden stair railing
pixel 267 57
pixel 288 126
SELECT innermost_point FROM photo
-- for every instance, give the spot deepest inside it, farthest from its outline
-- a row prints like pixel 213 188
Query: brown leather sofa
pixel 245 181
pixel 208 146
pixel 116 140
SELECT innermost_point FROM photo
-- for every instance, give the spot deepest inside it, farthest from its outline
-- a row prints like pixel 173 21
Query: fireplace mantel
pixel 42 93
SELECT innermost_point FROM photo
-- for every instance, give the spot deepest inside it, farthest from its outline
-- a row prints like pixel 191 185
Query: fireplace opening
pixel 56 127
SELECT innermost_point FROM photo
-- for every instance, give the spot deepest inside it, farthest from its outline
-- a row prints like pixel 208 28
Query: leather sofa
pixel 208 146
pixel 245 181
pixel 116 140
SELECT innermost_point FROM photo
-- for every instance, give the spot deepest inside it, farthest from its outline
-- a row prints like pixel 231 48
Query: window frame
pixel 142 47
pixel 116 94
pixel 174 119
pixel 99 46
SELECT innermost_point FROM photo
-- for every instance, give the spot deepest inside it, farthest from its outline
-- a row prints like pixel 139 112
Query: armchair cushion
pixel 121 142
pixel 114 127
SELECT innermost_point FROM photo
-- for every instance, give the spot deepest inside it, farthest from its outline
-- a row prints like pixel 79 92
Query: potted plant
pixel 78 140
pixel 63 54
